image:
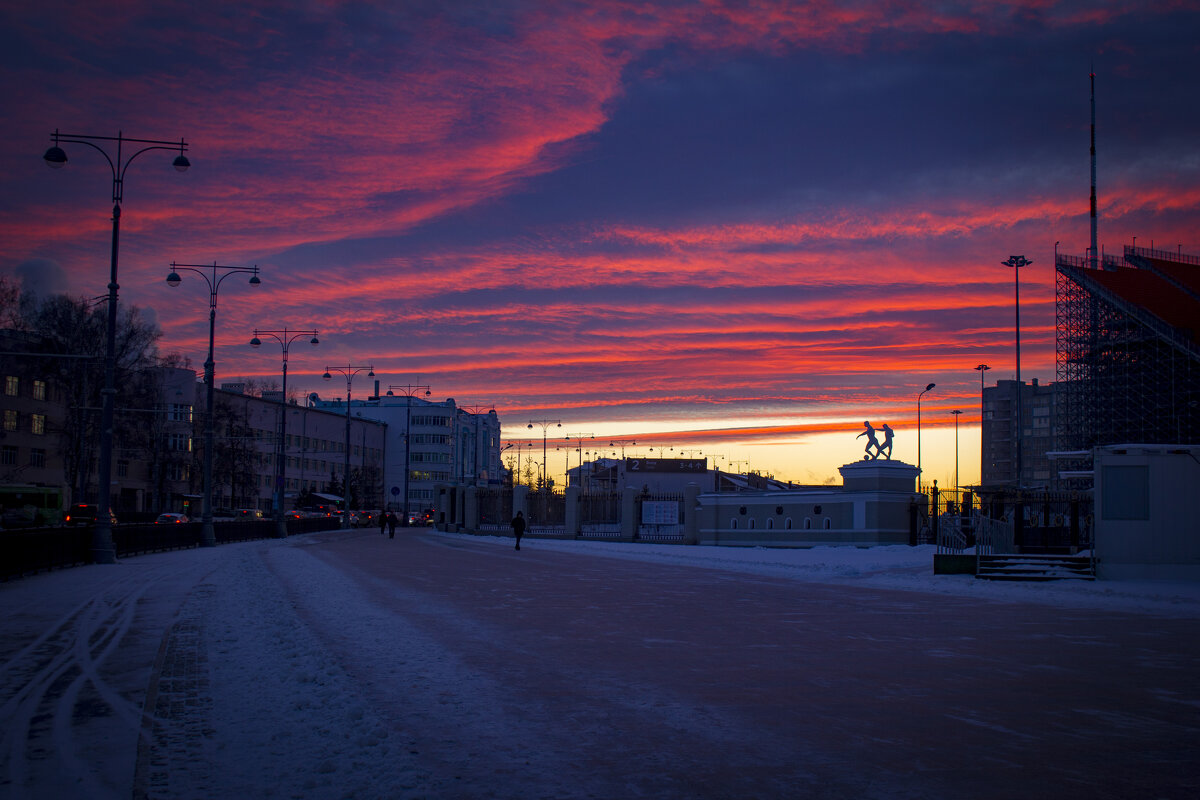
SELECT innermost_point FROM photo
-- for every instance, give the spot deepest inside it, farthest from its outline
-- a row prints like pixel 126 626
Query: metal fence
pixel 495 508
pixel 38 549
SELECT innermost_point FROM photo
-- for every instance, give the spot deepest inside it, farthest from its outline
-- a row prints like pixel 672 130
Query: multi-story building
pixel 314 451
pixel 429 443
pixel 998 468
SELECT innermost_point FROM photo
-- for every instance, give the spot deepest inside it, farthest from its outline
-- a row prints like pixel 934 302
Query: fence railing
pixel 39 549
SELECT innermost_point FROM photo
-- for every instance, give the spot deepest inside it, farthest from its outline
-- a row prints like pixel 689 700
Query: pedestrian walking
pixel 391 523
pixel 518 526
pixel 382 523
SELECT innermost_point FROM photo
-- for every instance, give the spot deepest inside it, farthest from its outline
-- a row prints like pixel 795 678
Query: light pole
pixel 285 339
pixel 208 536
pixel 956 412
pixel 927 388
pixel 103 551
pixel 545 423
pixel 409 391
pixel 982 369
pixel 579 437
pixel 1016 262
pixel 350 371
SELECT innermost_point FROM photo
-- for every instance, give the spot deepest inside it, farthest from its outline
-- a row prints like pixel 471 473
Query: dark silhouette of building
pixel 998 467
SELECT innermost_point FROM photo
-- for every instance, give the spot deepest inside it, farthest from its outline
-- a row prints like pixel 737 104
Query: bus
pixel 30 506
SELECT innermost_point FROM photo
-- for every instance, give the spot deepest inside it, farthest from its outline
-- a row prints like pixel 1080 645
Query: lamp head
pixel 930 386
pixel 256 342
pixel 327 376
pixel 254 281
pixel 181 163
pixel 173 279
pixel 427 393
pixel 371 373
pixel 530 426
pixel 55 157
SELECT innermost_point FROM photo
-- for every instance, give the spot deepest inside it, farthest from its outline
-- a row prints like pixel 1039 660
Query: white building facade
pixel 429 443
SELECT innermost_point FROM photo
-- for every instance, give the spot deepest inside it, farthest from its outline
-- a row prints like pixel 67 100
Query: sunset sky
pixel 735 227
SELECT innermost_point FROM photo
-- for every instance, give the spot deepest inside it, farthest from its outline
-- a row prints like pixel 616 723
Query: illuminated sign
pixel 666 465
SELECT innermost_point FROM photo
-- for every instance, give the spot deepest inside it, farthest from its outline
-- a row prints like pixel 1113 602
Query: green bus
pixel 30 506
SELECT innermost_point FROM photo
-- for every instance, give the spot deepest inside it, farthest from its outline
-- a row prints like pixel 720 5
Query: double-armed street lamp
pixel 214 275
pixel 285 338
pixel 349 371
pixel 926 389
pixel 545 423
pixel 409 391
pixel 103 551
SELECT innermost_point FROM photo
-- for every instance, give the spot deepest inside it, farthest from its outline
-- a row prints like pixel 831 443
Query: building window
pixel 733 523
pixel 807 524
pixel 787 523
pixel 10 419
pixel 750 523
pixel 177 472
pixel 37 457
pixel 179 412
pixel 122 468
pixel 38 424
pixel 39 390
pixel 180 442
pixel 12 385
pixel 770 523
pixel 8 455
pixel 827 523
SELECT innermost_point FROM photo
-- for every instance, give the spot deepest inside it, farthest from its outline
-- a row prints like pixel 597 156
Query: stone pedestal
pixel 879 475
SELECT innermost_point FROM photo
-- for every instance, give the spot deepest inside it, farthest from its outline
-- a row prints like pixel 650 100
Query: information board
pixel 660 512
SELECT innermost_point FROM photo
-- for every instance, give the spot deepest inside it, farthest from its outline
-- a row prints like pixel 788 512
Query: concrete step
pixel 1026 567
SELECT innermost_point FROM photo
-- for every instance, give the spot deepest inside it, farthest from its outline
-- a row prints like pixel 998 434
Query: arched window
pixel 770 523
pixel 733 523
pixel 808 523
pixel 827 524
pixel 787 524
pixel 750 523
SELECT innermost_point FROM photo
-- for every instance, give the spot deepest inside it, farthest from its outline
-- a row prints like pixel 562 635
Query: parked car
pixel 248 513
pixel 85 514
pixel 293 514
pixel 171 519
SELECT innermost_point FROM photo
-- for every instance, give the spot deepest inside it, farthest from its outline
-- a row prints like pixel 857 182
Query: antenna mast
pixel 1094 251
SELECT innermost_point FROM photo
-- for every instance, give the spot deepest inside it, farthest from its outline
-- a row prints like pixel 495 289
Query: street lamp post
pixel 103 551
pixel 285 339
pixel 956 412
pixel 1016 262
pixel 350 371
pixel 409 391
pixel 208 537
pixel 982 369
pixel 927 388
pixel 545 423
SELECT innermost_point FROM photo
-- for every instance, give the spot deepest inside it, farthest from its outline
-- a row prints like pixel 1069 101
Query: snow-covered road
pixel 345 664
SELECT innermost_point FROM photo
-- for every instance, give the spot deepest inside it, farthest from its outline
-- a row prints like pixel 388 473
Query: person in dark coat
pixel 382 523
pixel 391 523
pixel 518 526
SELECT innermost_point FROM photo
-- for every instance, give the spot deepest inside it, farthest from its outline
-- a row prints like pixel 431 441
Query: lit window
pixel 10 419
pixel 12 385
pixel 39 424
pixel 39 390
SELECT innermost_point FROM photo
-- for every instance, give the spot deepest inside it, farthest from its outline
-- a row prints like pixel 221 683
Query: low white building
pixel 1147 523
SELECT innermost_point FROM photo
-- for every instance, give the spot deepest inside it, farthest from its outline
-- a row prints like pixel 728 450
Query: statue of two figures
pixel 873 443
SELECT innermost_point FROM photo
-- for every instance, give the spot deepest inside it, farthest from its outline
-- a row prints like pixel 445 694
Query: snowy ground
pixel 345 664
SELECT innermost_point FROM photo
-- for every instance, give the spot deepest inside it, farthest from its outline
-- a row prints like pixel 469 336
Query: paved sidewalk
pixel 351 665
